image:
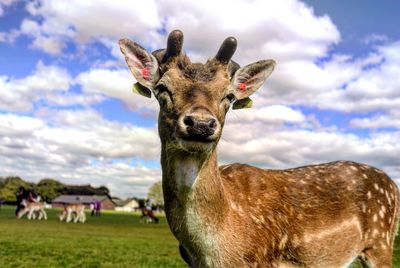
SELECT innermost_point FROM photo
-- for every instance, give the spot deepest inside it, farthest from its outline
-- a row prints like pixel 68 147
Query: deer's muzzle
pixel 199 126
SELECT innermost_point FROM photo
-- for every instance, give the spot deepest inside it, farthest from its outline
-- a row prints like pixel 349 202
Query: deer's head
pixel 194 98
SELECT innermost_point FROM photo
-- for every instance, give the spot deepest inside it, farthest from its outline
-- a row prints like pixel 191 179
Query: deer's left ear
pixel 249 78
pixel 143 65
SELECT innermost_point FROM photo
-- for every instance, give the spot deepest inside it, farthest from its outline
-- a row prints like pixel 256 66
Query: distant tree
pixel 2 180
pixel 49 189
pixel 85 190
pixel 156 194
pixel 104 189
pixel 10 187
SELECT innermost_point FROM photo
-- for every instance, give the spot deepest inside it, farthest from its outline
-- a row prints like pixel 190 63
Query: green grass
pixel 115 239
pixel 112 240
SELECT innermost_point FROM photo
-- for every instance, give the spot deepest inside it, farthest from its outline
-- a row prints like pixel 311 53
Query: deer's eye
pixel 163 94
pixel 230 98
pixel 227 101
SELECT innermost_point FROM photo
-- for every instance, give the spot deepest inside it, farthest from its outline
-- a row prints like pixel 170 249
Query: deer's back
pixel 287 210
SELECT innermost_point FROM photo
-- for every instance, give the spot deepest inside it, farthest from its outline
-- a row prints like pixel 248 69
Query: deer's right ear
pixel 143 65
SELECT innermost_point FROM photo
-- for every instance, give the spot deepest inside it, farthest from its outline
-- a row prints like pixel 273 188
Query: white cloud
pixel 11 124
pixel 274 114
pixel 283 148
pixel 4 4
pixel 263 28
pixel 21 94
pixel 275 27
pixel 374 88
pixel 376 122
pixel 9 37
pixel 84 22
pixel 79 147
pixel 116 84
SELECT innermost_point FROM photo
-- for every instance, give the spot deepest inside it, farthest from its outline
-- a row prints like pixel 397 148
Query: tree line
pixel 48 189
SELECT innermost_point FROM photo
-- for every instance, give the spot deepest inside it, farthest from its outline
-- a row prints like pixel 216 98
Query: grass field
pixel 112 240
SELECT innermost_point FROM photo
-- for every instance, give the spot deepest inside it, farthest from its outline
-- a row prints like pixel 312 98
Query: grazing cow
pixel 75 212
pixel 33 209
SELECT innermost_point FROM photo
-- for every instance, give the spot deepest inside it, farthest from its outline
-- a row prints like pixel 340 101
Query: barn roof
pixel 85 199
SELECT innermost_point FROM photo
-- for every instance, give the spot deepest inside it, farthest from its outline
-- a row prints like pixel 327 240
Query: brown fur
pixel 267 218
pixel 242 216
pixel 75 212
pixel 33 209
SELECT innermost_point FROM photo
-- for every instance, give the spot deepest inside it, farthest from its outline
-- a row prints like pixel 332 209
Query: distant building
pixel 106 201
pixel 126 205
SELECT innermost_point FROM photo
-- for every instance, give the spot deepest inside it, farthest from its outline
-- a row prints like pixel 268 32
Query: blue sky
pixel 67 112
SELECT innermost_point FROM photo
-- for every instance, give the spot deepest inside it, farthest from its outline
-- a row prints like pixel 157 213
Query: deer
pixel 237 215
pixel 75 212
pixel 32 208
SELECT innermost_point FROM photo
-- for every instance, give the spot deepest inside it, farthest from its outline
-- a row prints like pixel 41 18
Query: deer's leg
pixel 30 214
pixel 378 257
pixel 68 216
pixel 76 218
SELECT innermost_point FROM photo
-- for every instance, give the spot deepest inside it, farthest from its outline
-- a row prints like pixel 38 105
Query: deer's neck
pixel 193 192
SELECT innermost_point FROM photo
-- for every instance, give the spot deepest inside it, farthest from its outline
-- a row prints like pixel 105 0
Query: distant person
pixel 33 196
pixel 98 208
pixel 21 195
pixel 92 208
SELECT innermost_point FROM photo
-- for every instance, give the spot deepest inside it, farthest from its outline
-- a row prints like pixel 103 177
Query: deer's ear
pixel 249 78
pixel 143 65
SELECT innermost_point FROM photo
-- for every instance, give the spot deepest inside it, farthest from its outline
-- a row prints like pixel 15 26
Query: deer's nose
pixel 199 125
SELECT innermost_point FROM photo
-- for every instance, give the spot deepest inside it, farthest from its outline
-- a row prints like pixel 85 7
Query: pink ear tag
pixel 145 73
pixel 242 86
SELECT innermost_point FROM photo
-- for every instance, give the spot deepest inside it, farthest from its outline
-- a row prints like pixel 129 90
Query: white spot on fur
pixel 225 167
pixel 375 233
pixel 365 176
pixel 383 208
pixel 375 218
pixel 363 207
pixel 376 186
pixel 369 195
pixel 381 214
pixel 354 168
